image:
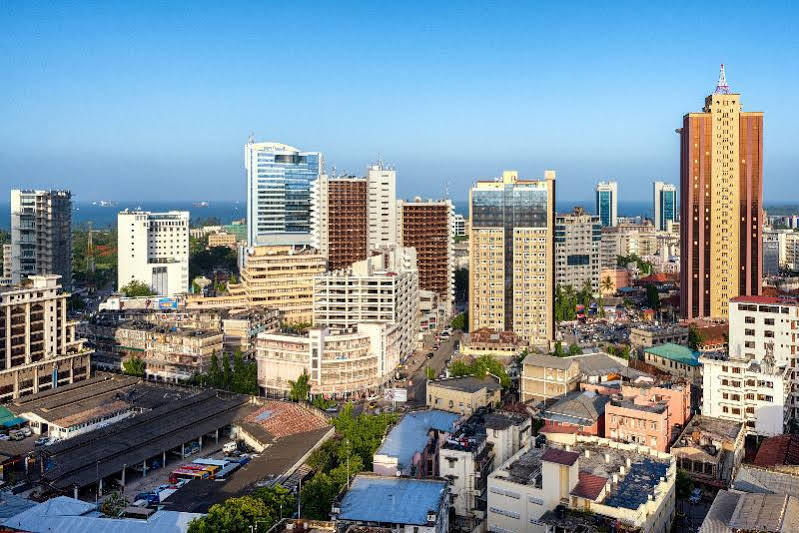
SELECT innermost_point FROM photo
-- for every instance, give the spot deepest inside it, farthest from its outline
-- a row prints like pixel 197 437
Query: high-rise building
pixel 279 179
pixel 41 234
pixel 511 256
pixel 577 240
pixel 459 226
pixel 340 219
pixel 153 248
pixel 771 253
pixel 427 227
pixel 7 262
pixel 39 349
pixel 607 193
pixel 721 188
pixel 382 190
pixel 665 204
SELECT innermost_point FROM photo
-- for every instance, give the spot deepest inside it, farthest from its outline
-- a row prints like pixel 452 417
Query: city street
pixel 417 391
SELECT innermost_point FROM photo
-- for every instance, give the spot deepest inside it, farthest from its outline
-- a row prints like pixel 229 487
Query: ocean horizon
pixel 105 216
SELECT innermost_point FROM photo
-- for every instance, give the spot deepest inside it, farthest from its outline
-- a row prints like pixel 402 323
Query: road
pixel 417 392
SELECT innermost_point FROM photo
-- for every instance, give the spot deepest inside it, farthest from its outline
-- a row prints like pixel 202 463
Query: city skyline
pixel 167 110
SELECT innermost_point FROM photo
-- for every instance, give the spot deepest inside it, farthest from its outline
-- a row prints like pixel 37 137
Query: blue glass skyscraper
pixel 279 179
pixel 606 200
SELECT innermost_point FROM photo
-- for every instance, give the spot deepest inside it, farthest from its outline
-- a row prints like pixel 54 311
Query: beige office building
pixel 39 349
pixel 511 261
pixel 281 277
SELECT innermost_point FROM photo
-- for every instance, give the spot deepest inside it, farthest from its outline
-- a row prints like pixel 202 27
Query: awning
pixel 16 421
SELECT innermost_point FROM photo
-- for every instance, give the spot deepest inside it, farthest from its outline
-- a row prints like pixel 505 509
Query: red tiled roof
pixel 559 429
pixel 283 419
pixel 658 277
pixel 589 486
pixel 779 450
pixel 784 299
pixel 561 457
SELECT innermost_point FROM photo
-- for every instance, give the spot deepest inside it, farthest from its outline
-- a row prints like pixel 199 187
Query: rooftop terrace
pixel 390 500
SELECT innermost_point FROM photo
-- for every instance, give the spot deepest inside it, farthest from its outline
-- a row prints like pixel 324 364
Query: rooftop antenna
pixel 251 138
pixel 721 86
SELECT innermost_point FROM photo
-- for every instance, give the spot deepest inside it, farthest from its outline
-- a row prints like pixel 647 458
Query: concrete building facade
pixel 383 288
pixel 153 248
pixel 577 238
pixel 511 256
pixel 340 220
pixel 41 235
pixel 39 349
pixel 546 376
pixel 721 188
pixel 427 227
pixel 382 190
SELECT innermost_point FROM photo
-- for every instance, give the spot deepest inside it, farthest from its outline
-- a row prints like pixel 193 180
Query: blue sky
pixel 151 100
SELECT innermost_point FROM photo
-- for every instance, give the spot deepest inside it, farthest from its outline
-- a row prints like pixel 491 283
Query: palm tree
pixel 607 284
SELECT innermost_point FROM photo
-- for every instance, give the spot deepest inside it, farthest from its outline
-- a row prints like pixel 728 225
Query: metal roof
pixel 675 352
pixel 410 435
pixel 392 500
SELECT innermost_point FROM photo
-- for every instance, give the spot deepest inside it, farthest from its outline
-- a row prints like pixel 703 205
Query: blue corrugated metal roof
pixel 410 434
pixel 392 500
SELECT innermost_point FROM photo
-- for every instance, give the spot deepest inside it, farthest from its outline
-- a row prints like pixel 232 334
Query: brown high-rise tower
pixel 721 197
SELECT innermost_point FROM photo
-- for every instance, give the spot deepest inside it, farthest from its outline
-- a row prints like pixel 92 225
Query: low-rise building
pixel 547 376
pixel 470 454
pixel 780 453
pixel 411 447
pixel 612 279
pixel 755 392
pixel 394 503
pixel 341 363
pixel 221 238
pixel 710 450
pixel 735 512
pixel 463 395
pixel 581 412
pixel 502 344
pixel 677 360
pixel 638 421
pixel 649 335
pixel 620 484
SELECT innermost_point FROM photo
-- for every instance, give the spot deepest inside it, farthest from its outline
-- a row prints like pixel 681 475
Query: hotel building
pixel 153 248
pixel 721 188
pixel 511 259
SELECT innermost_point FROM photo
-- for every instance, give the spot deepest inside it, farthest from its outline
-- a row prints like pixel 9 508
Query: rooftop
pixel 577 407
pixel 630 404
pixel 675 352
pixel 779 450
pixel 411 433
pixel 755 479
pixel 602 364
pixel 720 512
pixel 281 419
pixel 559 456
pixel 767 300
pixel 708 434
pixel 766 513
pixel 547 361
pixel 468 384
pixel 391 500
pixel 67 515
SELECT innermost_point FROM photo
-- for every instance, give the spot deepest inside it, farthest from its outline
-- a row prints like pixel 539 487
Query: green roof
pixel 675 352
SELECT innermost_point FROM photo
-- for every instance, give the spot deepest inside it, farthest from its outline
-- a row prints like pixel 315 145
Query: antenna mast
pixel 721 86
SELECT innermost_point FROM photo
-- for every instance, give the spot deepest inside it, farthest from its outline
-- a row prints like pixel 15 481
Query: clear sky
pixel 154 100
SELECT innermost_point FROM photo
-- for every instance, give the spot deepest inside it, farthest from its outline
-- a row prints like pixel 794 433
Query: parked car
pixel 696 495
pixel 27 431
pixel 41 441
pixel 229 447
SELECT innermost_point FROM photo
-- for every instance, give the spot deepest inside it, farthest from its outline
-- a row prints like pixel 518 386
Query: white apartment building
pixel 459 225
pixel 320 215
pixel 621 484
pixel 759 324
pixel 7 262
pixel 469 455
pixel 382 191
pixel 41 235
pixel 383 288
pixel 741 389
pixel 153 248
pixel 357 361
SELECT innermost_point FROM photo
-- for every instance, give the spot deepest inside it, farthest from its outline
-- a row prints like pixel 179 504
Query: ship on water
pixel 200 204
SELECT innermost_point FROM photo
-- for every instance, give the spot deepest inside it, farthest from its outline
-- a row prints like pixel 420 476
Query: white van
pixel 229 447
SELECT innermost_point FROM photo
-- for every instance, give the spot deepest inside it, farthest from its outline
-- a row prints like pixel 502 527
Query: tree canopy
pixel 300 388
pixel 239 376
pixel 262 509
pixel 479 368
pixel 137 288
pixel 134 367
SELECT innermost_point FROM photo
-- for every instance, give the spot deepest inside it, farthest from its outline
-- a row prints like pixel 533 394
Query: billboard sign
pixel 395 395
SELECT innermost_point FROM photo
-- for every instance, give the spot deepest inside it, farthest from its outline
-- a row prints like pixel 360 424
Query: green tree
pixel 235 515
pixel 480 368
pixel 430 373
pixel 301 388
pixel 558 351
pixel 461 322
pixel 684 485
pixel 114 504
pixel 137 288
pixel 279 499
pixel 574 349
pixel 214 375
pixel 317 497
pixel 227 373
pixel 607 284
pixel 652 297
pixel 134 367
pixel 695 337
